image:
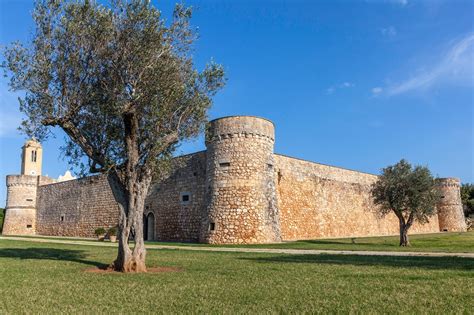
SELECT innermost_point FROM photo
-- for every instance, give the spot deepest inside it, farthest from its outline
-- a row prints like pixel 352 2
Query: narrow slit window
pixel 62 218
pixel 224 164
pixel 29 199
pixel 33 156
pixel 212 226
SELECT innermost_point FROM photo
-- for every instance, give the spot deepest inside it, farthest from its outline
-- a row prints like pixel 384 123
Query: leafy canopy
pixel 410 192
pixel 92 69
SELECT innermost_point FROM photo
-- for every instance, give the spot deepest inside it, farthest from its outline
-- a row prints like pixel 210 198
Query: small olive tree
pixel 121 84
pixel 409 192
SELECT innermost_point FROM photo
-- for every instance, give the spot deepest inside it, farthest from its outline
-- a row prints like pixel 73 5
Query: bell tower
pixel 31 158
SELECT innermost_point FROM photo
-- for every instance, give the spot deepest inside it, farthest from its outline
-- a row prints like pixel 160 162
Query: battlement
pixel 22 180
pixel 448 182
pixel 240 126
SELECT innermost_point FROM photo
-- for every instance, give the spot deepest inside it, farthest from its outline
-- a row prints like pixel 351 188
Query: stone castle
pixel 236 191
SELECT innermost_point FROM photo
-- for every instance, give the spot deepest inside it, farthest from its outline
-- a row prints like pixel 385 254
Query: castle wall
pixel 175 219
pixel 318 201
pixel 75 207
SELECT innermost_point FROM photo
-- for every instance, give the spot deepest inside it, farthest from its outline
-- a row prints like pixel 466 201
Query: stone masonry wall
pixel 76 207
pixel 175 219
pixel 450 211
pixel 240 178
pixel 20 216
pixel 318 201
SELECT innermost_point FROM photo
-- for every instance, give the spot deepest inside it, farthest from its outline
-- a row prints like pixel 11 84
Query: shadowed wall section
pixel 76 207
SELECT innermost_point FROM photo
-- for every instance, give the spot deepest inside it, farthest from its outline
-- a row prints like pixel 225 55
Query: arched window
pixel 149 227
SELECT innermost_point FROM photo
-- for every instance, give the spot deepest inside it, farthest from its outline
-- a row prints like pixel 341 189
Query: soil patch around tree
pixel 150 270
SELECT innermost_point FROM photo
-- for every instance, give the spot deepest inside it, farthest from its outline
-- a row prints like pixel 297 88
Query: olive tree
pixel 121 83
pixel 409 192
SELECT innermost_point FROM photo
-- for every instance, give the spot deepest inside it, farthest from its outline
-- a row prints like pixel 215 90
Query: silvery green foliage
pixel 410 192
pixel 108 74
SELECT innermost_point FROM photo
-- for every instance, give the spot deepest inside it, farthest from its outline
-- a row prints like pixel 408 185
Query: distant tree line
pixel 467 197
pixel 2 215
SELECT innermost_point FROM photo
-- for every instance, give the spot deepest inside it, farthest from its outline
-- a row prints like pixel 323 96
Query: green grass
pixel 438 242
pixel 50 278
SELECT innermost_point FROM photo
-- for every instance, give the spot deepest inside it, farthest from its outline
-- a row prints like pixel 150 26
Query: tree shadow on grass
pixel 455 263
pixel 49 254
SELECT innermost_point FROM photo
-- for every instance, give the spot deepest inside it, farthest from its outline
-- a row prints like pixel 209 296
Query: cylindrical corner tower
pixel 450 212
pixel 240 178
pixel 20 215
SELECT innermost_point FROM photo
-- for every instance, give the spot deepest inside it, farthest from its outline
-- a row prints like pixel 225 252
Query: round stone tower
pixel 450 212
pixel 20 211
pixel 20 215
pixel 240 177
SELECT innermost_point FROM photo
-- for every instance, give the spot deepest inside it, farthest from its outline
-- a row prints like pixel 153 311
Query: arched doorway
pixel 149 227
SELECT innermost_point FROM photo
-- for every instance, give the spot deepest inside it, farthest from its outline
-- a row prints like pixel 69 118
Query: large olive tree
pixel 120 82
pixel 409 192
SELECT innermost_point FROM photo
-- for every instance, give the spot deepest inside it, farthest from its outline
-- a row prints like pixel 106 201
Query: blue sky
pixel 356 84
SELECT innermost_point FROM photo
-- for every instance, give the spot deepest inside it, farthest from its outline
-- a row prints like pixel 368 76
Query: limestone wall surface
pixel 76 207
pixel 20 216
pixel 318 201
pixel 240 177
pixel 450 211
pixel 175 219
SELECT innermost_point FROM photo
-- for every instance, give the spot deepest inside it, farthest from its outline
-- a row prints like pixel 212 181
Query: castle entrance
pixel 149 227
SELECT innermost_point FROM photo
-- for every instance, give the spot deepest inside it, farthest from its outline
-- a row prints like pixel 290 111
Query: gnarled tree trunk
pixel 404 235
pixel 131 204
pixel 404 227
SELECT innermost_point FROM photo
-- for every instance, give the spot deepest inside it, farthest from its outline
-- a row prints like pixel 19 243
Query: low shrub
pixel 99 231
pixel 112 231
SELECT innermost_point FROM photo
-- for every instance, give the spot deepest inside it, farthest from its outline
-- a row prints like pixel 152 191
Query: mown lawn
pixel 437 242
pixel 50 278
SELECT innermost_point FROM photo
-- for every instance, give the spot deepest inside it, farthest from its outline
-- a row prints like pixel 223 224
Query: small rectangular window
pixel 29 199
pixel 224 164
pixel 185 198
pixel 62 218
pixel 212 226
pixel 29 226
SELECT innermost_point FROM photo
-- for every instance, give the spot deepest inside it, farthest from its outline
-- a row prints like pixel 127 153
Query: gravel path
pixel 246 250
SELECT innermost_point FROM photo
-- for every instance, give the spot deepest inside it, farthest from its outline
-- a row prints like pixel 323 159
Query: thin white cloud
pixel 343 85
pixel 377 90
pixel 400 2
pixel 390 31
pixel 455 67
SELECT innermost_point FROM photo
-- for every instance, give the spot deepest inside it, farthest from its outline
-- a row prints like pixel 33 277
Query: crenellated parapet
pixel 449 208
pixel 240 178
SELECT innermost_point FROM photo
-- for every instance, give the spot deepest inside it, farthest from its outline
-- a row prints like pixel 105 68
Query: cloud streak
pixel 455 67
pixel 344 85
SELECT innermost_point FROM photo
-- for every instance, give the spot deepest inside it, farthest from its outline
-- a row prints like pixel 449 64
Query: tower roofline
pixel 237 116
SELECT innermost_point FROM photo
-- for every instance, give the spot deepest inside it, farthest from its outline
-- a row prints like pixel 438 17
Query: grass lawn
pixel 50 278
pixel 437 242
